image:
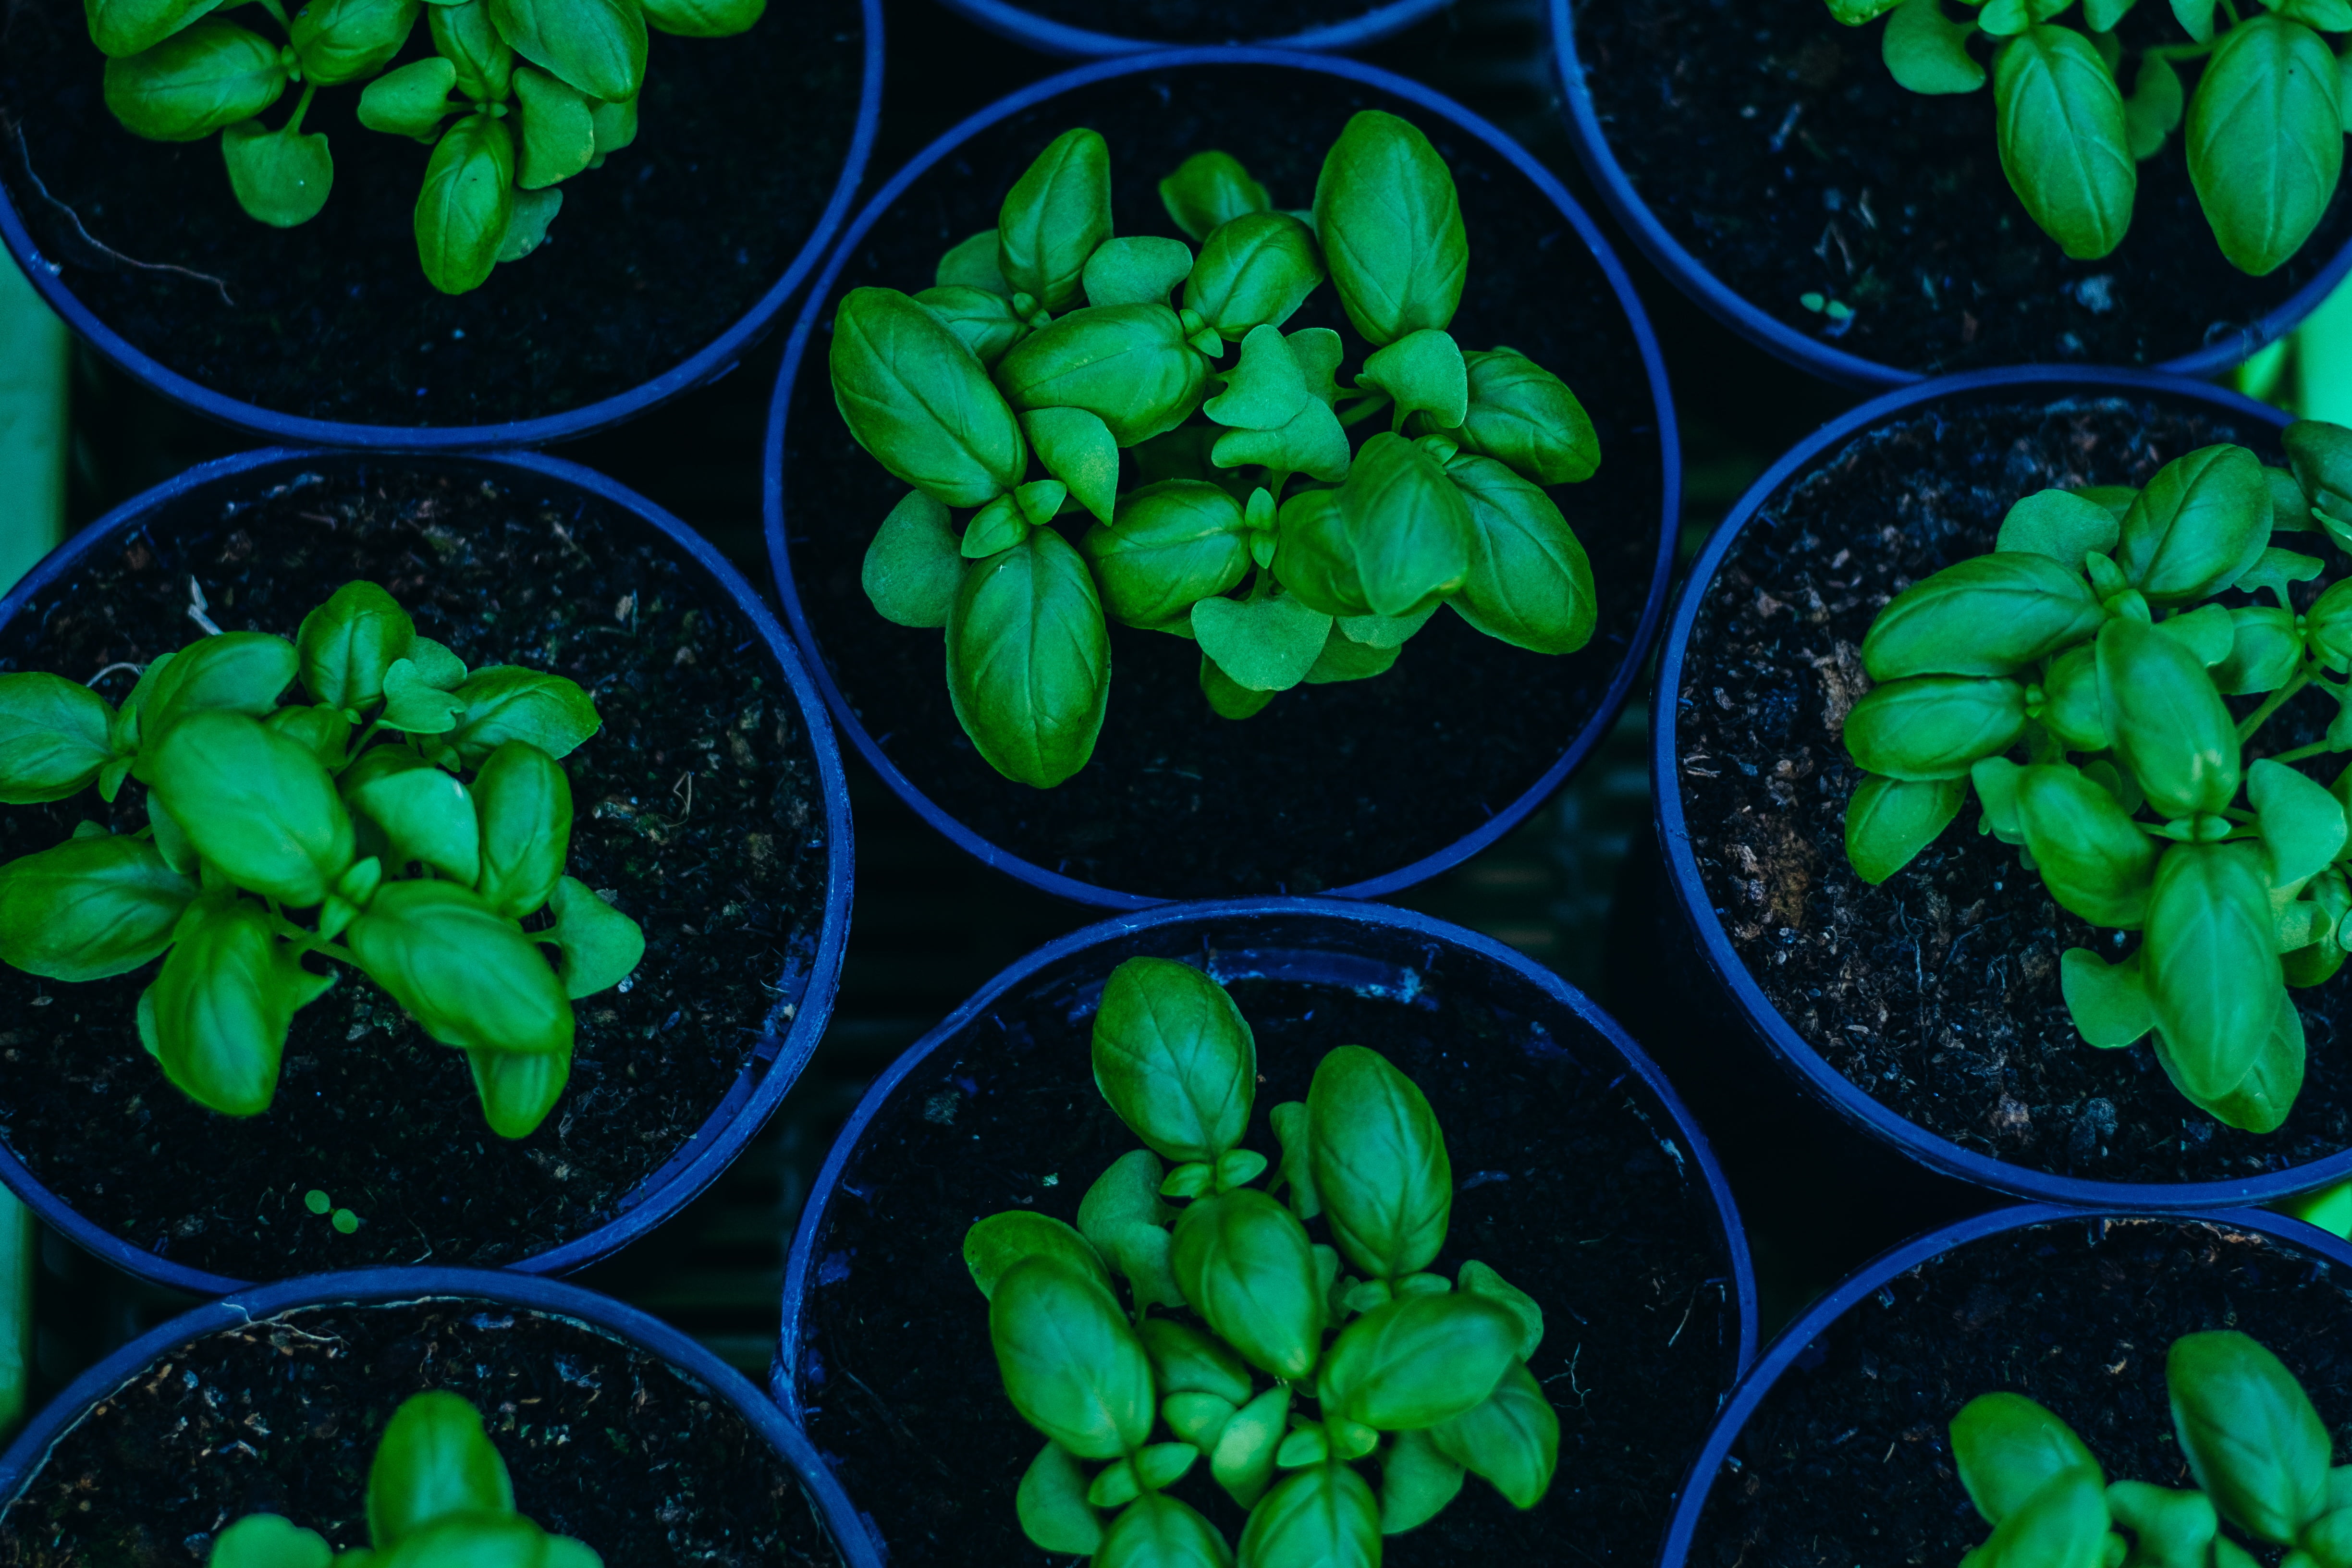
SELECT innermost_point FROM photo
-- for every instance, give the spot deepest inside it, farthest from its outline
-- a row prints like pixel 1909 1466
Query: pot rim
pixel 1595 729
pixel 1801 348
pixel 1049 37
pixel 1690 1498
pixel 713 360
pixel 1345 913
pixel 1793 1052
pixel 759 1088
pixel 380 1287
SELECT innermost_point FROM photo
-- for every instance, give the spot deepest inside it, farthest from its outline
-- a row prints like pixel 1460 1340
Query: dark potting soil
pixel 1848 1459
pixel 1331 784
pixel 740 142
pixel 603 1442
pixel 1771 143
pixel 1561 1183
pixel 697 806
pixel 1201 21
pixel 1937 992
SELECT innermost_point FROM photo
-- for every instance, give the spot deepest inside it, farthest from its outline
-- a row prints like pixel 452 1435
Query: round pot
pixel 328 334
pixel 1809 75
pixel 671 1075
pixel 1558 1129
pixel 523 1350
pixel 1945 976
pixel 1300 27
pixel 1357 789
pixel 1848 1408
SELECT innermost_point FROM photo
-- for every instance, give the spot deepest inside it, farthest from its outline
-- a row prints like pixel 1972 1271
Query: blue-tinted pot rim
pixel 1792 1342
pixel 712 361
pixel 1802 350
pixel 1051 37
pixel 1339 912
pixel 738 1118
pixel 369 1287
pixel 1698 911
pixel 1620 686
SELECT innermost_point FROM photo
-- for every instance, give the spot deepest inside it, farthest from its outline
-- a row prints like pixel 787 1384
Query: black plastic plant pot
pixel 664 267
pixel 1916 1025
pixel 710 807
pixel 1064 26
pixel 616 1428
pixel 1577 1175
pixel 1835 1448
pixel 1779 176
pixel 1356 789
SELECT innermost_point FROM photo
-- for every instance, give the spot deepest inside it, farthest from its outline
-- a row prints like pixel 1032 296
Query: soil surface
pixel 1561 1183
pixel 1201 21
pixel 1771 143
pixel 1330 784
pixel 1848 1459
pixel 603 1442
pixel 653 256
pixel 1937 992
pixel 728 883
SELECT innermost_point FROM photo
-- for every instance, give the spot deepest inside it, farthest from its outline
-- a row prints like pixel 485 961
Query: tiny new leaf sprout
pixel 2095 641
pixel 438 1497
pixel 2264 124
pixel 1243 517
pixel 418 812
pixel 2258 1451
pixel 517 96
pixel 1283 1361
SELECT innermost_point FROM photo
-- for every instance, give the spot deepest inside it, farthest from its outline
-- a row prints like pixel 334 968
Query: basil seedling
pixel 1267 1356
pixel 419 811
pixel 2094 641
pixel 1248 518
pixel 2264 124
pixel 504 136
pixel 2257 1450
pixel 438 1494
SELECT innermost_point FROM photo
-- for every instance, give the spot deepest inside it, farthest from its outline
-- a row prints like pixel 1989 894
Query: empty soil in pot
pixel 1331 784
pixel 1201 21
pixel 1937 992
pixel 1771 143
pixel 1561 1183
pixel 604 1443
pixel 697 806
pixel 1848 1459
pixel 740 145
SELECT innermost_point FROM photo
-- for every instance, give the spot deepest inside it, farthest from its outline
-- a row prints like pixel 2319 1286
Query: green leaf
pixel 1029 660
pixel 1267 390
pixel 1242 1460
pixel 1126 1194
pixel 53 738
pixel 466 203
pixel 1422 371
pixel 1511 1438
pixel 465 37
pixel 1290 1120
pixel 599 945
pixel 1175 543
pixel 971 263
pixel 1889 821
pixel 518 1089
pixel 1321 1517
pixel 997 526
pixel 918 399
pixel 2260 1101
pixel 237 672
pixel 2201 523
pixel 1253 272
pixel 1385 631
pixel 220 1006
pixel 1990 614
pixel 2210 964
pixel 1855 13
pixel 1142 1253
pixel 1072 1364
pixel 2174 1526
pixel 1343 658
pixel 1127 365
pixel 1057 212
pixel 1156 1531
pixel 266 1540
pixel 255 803
pixel 121 27
pixel 526 230
pixel 1144 269
pixel 2153 112
pixel 2275 569
pixel 2092 858
pixel 349 40
pixel 1174 1059
pixel 1267 644
pixel 1186 1361
pixel 1480 1281
pixel 433 1461
pixel 416 706
pixel 90 907
pixel 2063 1525
pixel 913 567
pixel 1397 536
pixel 1417 1480
pixel 982 321
pixel 506 703
pixel 2249 1433
pixel 1928 53
pixel 2006 18
pixel 2321 456
pixel 1529 583
pixel 1522 415
pixel 597 46
pixel 1313 443
pixel 1228 698
pixel 2265 140
pixel 1051 1501
pixel 1198 1418
pixel 2061 525
pixel 703 19
pixel 279 177
pixel 2302 825
pixel 2007 1448
pixel 1153 1467
pixel 2104 15
pixel 2063 141
pixel 1209 190
pixel 1935 726
pixel 1418 1360
pixel 558 138
pixel 2109 1002
pixel 2170 726
pixel 1381 1168
pixel 194 82
pixel 1001 1240
pixel 522 806
pixel 467 975
pixel 1077 449
pixel 1244 1265
pixel 406 809
pixel 492 1540
pixel 1390 225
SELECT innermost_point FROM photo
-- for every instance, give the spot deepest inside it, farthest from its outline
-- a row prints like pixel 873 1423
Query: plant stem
pixel 2316 749
pixel 301 107
pixel 1372 404
pixel 2272 704
pixel 309 942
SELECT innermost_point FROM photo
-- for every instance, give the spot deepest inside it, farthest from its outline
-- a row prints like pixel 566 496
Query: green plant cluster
pixel 2258 1451
pixel 2264 126
pixel 2094 639
pixel 504 136
pixel 351 805
pixel 1243 517
pixel 438 1496
pixel 1254 1319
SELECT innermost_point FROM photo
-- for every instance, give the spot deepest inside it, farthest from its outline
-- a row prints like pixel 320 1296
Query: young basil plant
pixel 438 1494
pixel 2093 642
pixel 417 811
pixel 2258 1451
pixel 1248 515
pixel 1287 1363
pixel 504 136
pixel 2263 123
